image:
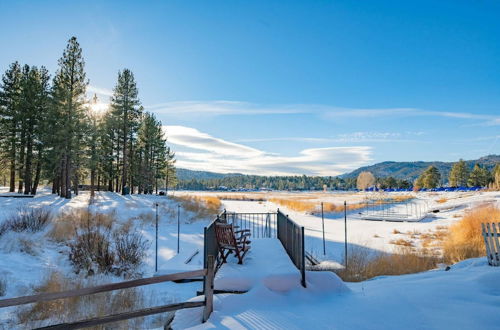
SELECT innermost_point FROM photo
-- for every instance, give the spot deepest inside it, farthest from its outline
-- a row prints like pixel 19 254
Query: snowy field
pixel 456 299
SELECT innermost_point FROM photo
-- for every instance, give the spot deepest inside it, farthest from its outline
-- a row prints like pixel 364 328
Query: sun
pixel 98 107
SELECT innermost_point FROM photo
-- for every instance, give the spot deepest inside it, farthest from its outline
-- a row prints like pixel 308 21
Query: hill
pixel 185 175
pixel 411 170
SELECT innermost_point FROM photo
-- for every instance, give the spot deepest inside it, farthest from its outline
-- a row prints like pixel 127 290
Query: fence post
pixel 323 224
pixel 156 240
pixel 209 289
pixel 178 228
pixel 303 260
pixel 345 233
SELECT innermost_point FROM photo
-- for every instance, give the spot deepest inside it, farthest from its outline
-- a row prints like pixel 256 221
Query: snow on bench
pixel 267 262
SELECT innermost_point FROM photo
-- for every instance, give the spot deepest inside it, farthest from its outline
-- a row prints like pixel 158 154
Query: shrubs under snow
pixel 95 247
pixel 26 220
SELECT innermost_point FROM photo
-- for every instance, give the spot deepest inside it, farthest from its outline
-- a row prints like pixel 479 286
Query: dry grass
pixel 465 239
pixel 201 207
pixel 402 242
pixel 76 308
pixel 242 197
pixel 395 231
pixel 26 220
pixel 401 198
pixel 66 225
pixel 442 200
pixel 363 265
pixel 301 205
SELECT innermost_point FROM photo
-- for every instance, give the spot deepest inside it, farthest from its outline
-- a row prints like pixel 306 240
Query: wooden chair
pixel 230 241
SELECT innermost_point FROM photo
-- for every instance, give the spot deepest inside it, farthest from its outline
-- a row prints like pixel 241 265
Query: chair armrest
pixel 242 231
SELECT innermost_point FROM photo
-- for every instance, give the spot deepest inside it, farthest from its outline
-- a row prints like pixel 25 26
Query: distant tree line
pixel 302 182
pixel 50 131
pixel 459 176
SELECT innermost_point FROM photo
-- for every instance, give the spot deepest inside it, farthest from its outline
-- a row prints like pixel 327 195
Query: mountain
pixel 186 175
pixel 411 170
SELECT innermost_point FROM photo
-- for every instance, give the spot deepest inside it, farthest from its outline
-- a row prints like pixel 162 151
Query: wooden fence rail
pixel 492 242
pixel 208 273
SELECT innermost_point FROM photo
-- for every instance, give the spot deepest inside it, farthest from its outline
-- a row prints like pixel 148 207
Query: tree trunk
pixel 92 182
pixel 21 162
pixel 37 177
pixel 29 160
pixel 67 178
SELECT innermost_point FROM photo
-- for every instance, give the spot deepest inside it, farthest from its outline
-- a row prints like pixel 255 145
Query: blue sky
pixel 275 87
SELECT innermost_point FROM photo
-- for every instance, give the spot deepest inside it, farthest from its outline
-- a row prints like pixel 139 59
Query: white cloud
pixel 225 108
pixel 99 91
pixel 200 151
pixel 218 108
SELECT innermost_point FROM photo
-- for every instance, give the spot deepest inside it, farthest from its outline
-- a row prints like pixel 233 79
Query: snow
pixel 267 262
pixel 465 297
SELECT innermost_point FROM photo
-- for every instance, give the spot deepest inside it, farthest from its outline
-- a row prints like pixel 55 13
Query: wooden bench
pixel 230 241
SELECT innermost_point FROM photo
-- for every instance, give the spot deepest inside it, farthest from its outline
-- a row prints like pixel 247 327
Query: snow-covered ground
pixel 465 297
pixel 426 300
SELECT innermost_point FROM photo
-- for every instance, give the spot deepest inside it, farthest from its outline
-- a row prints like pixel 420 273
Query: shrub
pixel 465 238
pixel 91 250
pixel 363 264
pixel 95 247
pixel 130 250
pixel 84 307
pixel 66 225
pixel 401 242
pixel 27 220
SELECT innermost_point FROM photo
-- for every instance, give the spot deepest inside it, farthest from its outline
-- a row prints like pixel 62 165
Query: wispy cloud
pixel 355 137
pixel 99 91
pixel 201 151
pixel 227 108
pixel 218 108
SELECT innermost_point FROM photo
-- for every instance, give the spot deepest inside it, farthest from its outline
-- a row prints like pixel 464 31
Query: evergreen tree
pixel 496 176
pixel 479 177
pixel 69 89
pixel 459 174
pixel 10 99
pixel 126 111
pixel 429 179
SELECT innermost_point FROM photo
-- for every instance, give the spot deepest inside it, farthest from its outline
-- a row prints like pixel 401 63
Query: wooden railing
pixel 492 243
pixel 208 274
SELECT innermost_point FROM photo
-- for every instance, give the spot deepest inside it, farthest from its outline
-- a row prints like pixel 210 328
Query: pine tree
pixel 429 179
pixel 69 89
pixel 126 110
pixel 170 174
pixel 459 174
pixel 10 98
pixel 496 176
pixel 479 177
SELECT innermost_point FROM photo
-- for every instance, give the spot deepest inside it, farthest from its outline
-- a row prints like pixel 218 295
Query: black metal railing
pixel 291 236
pixel 261 225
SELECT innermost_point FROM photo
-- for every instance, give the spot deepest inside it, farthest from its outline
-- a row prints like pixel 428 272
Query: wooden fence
pixel 491 241
pixel 207 273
